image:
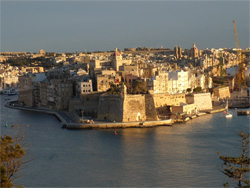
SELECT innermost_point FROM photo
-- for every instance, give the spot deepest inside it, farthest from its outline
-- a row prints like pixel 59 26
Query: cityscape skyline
pixel 61 26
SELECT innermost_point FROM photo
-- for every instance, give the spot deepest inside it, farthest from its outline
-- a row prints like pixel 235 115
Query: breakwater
pixel 68 123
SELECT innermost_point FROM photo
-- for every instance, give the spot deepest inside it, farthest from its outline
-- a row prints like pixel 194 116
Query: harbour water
pixel 182 155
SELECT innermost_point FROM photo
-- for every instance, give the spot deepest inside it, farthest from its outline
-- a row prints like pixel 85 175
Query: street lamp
pixel 82 113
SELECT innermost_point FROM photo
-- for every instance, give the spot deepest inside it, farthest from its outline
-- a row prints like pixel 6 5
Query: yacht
pixel 228 114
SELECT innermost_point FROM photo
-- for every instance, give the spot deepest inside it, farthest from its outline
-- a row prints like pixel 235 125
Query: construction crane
pixel 236 36
pixel 240 80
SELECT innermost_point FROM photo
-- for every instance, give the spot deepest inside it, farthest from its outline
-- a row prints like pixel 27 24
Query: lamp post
pixel 82 113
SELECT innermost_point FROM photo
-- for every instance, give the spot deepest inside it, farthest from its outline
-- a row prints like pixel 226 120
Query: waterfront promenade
pixel 69 123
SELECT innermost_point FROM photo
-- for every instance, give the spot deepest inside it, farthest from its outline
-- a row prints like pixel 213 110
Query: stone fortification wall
pixel 89 103
pixel 110 108
pixel 26 97
pixel 128 109
pixel 134 108
pixel 151 112
pixel 202 101
pixel 161 100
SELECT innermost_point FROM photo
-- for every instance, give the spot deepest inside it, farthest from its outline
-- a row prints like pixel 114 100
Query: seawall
pixel 107 125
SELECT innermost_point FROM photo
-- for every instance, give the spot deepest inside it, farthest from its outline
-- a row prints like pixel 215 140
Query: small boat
pixel 12 92
pixel 243 112
pixel 228 114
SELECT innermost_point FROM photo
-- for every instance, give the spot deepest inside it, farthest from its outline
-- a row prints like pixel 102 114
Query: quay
pixel 69 123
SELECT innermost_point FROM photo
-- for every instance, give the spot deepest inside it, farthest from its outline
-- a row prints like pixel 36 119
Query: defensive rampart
pixel 202 101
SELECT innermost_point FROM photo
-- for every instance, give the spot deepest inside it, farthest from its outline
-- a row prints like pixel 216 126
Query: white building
pixel 85 87
pixel 158 83
pixel 179 81
pixel 200 81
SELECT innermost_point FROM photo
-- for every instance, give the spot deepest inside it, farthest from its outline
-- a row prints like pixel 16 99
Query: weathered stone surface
pixel 222 92
pixel 110 108
pixel 202 101
pixel 135 107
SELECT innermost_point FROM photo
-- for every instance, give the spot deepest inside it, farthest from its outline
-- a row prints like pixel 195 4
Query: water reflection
pixel 184 154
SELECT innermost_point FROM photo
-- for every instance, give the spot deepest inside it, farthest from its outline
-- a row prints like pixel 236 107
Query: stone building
pixel 42 52
pixel 194 52
pixel 104 81
pixel 32 69
pixel 178 80
pixel 84 87
pixel 63 93
pixel 200 79
pixel 147 71
pixel 178 52
pixel 184 108
pixel 221 92
pixel 26 90
pixel 158 83
pixel 29 89
pixel 117 61
pixel 131 108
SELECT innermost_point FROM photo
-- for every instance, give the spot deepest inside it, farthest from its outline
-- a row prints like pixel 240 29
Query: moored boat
pixel 243 112
pixel 228 114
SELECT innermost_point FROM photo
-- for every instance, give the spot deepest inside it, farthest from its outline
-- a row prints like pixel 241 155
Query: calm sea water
pixel 184 155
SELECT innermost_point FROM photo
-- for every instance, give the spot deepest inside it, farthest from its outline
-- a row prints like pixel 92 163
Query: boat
pixel 243 112
pixel 12 92
pixel 228 114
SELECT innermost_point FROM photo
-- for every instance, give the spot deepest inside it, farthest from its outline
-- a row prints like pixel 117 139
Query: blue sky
pixel 70 26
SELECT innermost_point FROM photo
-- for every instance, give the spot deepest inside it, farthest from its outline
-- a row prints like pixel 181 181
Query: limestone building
pixel 194 52
pixel 178 80
pixel 117 61
pixel 222 92
pixel 85 87
pixel 158 83
pixel 42 52
pixel 178 52
pixel 104 81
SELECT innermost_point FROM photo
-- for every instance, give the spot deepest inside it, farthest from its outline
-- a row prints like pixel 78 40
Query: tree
pixel 237 168
pixel 197 89
pixel 114 89
pixel 138 87
pixel 12 154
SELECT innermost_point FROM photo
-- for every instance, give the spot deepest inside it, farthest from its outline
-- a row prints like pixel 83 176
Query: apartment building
pixel 178 80
pixel 158 83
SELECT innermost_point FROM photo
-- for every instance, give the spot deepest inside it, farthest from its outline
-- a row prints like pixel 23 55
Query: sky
pixel 73 26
